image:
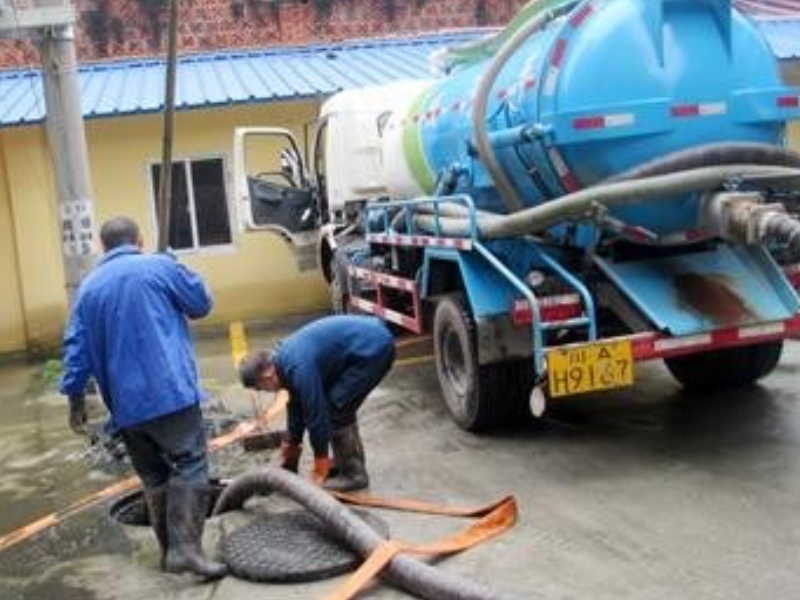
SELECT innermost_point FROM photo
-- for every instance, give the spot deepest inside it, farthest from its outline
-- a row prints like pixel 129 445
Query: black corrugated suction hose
pixel 712 155
pixel 404 572
pixel 661 188
pixel 783 229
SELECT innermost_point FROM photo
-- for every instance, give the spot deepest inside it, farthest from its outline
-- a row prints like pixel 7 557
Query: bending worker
pixel 128 329
pixel 329 367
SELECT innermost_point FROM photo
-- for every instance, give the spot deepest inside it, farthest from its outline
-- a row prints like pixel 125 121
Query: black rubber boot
pixel 187 507
pixel 351 464
pixel 156 499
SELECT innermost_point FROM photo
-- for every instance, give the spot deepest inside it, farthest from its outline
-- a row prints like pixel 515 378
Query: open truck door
pixel 273 189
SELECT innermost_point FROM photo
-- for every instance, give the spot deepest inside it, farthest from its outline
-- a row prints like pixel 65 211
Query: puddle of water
pixel 45 467
pixel 40 458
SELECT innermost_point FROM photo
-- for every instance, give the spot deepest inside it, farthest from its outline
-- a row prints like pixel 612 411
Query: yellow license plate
pixel 590 368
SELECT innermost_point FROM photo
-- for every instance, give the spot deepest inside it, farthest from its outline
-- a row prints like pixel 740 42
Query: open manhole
pixel 286 547
pixel 131 509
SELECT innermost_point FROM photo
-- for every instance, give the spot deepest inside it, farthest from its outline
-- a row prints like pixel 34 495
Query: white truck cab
pixel 304 197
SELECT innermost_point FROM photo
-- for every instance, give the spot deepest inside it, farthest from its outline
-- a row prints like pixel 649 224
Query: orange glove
pixel 290 455
pixel 322 466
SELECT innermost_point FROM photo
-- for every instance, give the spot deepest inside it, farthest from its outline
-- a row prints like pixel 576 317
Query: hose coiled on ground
pixel 403 571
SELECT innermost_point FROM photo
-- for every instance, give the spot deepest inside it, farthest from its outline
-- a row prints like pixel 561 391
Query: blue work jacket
pixel 323 364
pixel 128 329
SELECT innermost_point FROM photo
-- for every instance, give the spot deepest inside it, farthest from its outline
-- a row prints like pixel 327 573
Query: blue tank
pixel 607 86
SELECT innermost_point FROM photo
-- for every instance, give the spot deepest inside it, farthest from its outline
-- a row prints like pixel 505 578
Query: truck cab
pixel 309 197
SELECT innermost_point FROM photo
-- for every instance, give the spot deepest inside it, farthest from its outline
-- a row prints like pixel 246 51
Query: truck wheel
pixel 729 367
pixel 477 397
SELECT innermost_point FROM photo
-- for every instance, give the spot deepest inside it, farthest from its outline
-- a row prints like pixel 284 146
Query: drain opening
pixel 131 509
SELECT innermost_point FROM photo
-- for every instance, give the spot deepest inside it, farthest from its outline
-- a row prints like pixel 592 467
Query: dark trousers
pixel 169 448
pixel 354 384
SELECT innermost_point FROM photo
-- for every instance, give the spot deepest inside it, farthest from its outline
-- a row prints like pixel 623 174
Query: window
pixel 199 212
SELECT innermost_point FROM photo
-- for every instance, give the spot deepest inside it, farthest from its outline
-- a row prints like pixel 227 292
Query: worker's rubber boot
pixel 156 499
pixel 348 456
pixel 187 507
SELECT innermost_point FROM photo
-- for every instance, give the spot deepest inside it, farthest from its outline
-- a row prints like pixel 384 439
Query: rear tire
pixel 478 397
pixel 726 368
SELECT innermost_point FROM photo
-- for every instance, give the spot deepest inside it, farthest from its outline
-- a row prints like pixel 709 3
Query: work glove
pixel 322 468
pixel 290 455
pixel 77 414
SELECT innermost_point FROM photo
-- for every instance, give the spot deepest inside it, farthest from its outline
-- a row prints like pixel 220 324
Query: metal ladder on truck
pixel 379 224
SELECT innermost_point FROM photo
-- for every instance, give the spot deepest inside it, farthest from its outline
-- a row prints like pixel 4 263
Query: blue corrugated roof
pixel 206 80
pixel 783 36
pixel 770 8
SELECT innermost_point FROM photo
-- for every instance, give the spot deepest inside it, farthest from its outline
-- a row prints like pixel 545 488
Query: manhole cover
pixel 291 547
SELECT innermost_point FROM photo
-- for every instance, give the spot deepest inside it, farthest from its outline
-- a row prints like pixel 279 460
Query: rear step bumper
pixel 652 345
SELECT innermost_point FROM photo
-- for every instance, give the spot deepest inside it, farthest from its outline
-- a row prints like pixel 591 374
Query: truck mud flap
pixel 728 286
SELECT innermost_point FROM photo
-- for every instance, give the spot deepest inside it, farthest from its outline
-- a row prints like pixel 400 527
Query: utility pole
pixel 165 187
pixel 67 142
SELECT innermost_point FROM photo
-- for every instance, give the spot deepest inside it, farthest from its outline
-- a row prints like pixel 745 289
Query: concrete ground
pixel 644 493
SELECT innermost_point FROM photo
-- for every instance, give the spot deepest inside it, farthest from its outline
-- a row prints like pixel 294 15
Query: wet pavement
pixel 643 493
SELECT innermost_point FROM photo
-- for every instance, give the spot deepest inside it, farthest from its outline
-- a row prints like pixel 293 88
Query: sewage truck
pixel 601 183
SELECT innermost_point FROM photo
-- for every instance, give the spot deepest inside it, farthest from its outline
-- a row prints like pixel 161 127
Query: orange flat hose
pixel 411 505
pixel 133 483
pixel 494 519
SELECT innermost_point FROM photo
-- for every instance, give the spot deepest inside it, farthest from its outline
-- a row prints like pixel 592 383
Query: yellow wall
pixel 12 329
pixel 34 218
pixel 790 69
pixel 254 278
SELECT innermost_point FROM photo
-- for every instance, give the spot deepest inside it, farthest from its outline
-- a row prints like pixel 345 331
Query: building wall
pixel 34 221
pixel 12 329
pixel 790 69
pixel 255 277
pixel 128 28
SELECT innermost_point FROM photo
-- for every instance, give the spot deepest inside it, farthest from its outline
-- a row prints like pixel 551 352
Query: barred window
pixel 199 216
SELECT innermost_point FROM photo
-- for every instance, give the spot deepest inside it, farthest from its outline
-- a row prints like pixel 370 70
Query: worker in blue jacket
pixel 128 329
pixel 329 367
